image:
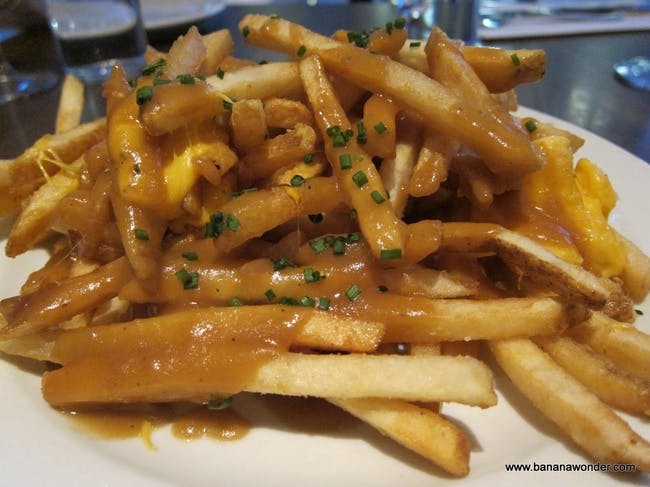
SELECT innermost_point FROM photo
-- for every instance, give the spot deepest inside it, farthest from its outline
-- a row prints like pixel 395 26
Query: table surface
pixel 579 85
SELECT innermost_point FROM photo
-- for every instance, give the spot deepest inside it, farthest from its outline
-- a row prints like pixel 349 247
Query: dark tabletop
pixel 579 85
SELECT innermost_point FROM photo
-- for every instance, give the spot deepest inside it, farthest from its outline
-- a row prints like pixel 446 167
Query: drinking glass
pixel 93 35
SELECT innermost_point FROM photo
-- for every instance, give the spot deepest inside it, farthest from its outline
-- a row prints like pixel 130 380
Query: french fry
pixel 396 172
pixel 53 304
pixel 418 429
pixel 432 283
pixel 281 150
pixel 567 403
pixel 32 224
pixel 425 321
pixel 20 177
pixel 503 150
pixel 432 165
pixel 353 168
pixel 71 104
pixel 627 347
pixel 636 273
pixel 248 123
pixel 451 379
pixel 286 114
pixel 218 45
pixel 499 69
pixel 598 375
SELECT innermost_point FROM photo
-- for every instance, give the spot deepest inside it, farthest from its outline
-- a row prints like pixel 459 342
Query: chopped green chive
pixel 136 168
pixel 323 303
pixel 352 292
pixel 232 223
pixel 515 59
pixel 359 38
pixel 220 73
pixel 339 140
pixel 218 403
pixel 307 301
pixel 400 23
pixel 638 312
pixel 289 301
pixel 262 61
pixel 270 295
pixel 345 161
pixel 143 94
pixel 376 195
pixel 301 51
pixel 235 302
pixel 389 254
pixel 311 275
pixel 214 226
pixel 185 79
pixel 362 136
pixel 141 234
pixel 338 246
pixel 281 263
pixel 415 44
pixel 191 255
pixel 380 127
pixel 353 237
pixel 154 66
pixel 297 180
pixel 133 82
pixel 245 31
pixel 190 280
pixel 308 158
pixel 227 105
pixel 382 289
pixel 530 125
pixel 389 28
pixel 318 245
pixel 360 178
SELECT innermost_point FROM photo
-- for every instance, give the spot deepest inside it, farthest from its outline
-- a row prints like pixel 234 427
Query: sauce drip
pixel 187 422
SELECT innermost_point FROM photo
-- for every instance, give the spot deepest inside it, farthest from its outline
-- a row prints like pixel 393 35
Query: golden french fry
pixel 636 273
pixel 423 321
pixel 282 150
pixel 33 222
pixel 499 69
pixel 566 402
pixel 627 347
pixel 431 283
pixel 432 165
pixel 419 429
pixel 71 103
pixel 20 177
pixel 285 113
pixel 355 172
pixel 248 124
pixel 598 375
pixel 450 379
pixel 53 304
pixel 218 45
pixel 504 150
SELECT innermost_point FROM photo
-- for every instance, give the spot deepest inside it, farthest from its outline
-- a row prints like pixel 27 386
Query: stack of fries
pixel 365 222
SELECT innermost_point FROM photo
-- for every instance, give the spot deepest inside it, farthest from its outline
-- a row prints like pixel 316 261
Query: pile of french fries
pixel 364 222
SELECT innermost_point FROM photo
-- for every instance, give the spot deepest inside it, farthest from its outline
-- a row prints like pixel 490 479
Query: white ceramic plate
pixel 41 447
pixel 160 14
